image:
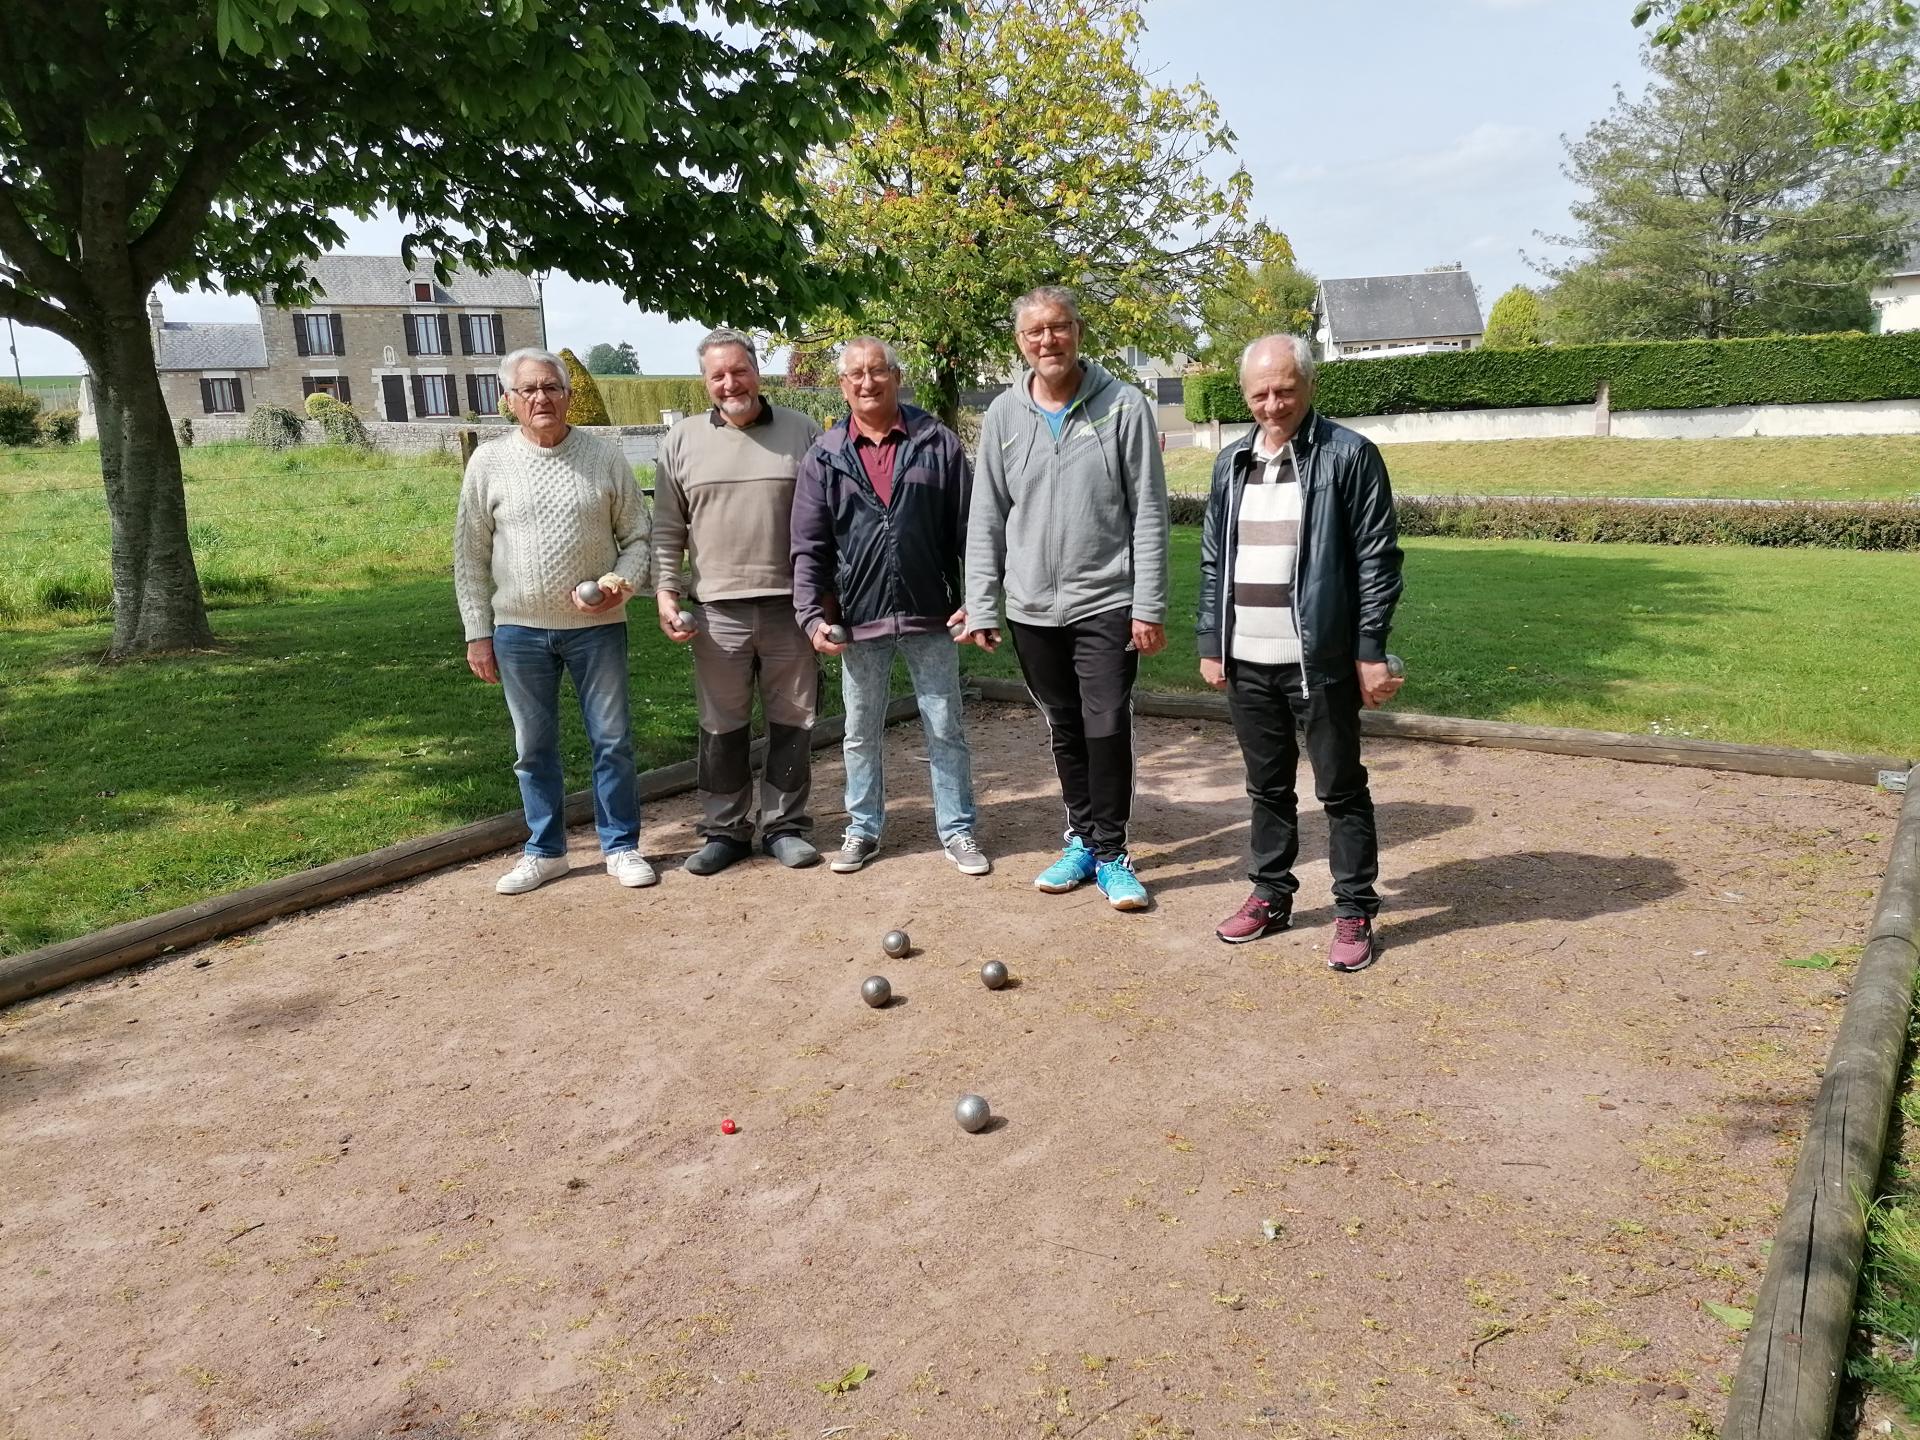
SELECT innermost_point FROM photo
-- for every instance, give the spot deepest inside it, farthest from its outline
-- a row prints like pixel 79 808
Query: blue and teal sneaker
pixel 1120 885
pixel 1074 867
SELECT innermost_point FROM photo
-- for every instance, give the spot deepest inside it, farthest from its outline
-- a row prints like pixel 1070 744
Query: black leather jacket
pixel 1346 565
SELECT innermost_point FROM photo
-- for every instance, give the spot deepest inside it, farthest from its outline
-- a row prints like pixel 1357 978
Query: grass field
pixel 1857 467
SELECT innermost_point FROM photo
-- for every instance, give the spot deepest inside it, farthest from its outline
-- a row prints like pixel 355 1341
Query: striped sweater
pixel 1266 535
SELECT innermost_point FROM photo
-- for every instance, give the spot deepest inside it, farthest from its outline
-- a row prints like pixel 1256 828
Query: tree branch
pixel 28 310
pixel 167 239
pixel 43 269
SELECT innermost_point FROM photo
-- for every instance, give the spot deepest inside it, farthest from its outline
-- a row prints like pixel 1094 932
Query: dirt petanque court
pixel 437 1163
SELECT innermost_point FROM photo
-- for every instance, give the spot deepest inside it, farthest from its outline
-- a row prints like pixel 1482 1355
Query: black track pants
pixel 1081 676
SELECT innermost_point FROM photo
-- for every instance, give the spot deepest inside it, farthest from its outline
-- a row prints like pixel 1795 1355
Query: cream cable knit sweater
pixel 535 522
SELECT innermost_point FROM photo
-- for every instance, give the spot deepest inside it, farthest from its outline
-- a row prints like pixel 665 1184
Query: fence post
pixel 469 442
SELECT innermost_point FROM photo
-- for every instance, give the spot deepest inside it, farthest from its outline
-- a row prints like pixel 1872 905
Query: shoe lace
pixel 1255 907
pixel 1120 862
pixel 1350 927
pixel 965 844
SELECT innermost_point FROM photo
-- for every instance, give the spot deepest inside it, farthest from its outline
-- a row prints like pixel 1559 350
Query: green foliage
pixel 604 359
pixel 1838 526
pixel 339 422
pixel 19 416
pixel 1714 209
pixel 584 405
pixel 317 402
pixel 273 427
pixel 1662 375
pixel 59 427
pixel 640 400
pixel 1268 295
pixel 1514 321
pixel 183 432
pixel 825 406
pixel 1036 147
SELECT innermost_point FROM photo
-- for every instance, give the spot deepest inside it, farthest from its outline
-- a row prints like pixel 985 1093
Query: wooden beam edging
pixel 1795 1355
pixel 38 971
pixel 1551 740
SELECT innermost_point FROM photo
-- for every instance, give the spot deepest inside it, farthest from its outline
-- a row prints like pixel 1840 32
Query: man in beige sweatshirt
pixel 723 495
pixel 541 511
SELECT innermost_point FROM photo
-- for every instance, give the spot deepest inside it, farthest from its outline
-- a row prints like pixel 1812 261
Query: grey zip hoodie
pixel 1069 529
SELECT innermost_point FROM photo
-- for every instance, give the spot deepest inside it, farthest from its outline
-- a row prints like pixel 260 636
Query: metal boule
pixel 1396 667
pixel 589 592
pixel 836 634
pixel 973 1113
pixel 993 974
pixel 876 990
pixel 896 943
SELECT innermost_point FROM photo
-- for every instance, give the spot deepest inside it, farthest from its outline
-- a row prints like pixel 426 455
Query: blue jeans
pixel 933 664
pixel 530 662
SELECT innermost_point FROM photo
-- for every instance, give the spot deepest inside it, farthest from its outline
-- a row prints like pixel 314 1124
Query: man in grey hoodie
pixel 1069 526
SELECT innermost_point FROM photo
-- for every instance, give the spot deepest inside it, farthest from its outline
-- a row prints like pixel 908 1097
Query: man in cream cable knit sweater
pixel 542 510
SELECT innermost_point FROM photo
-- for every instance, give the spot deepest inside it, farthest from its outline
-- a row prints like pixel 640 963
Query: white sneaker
pixel 531 873
pixel 631 869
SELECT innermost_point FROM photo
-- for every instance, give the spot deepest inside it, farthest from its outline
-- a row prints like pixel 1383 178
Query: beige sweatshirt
pixel 534 523
pixel 723 496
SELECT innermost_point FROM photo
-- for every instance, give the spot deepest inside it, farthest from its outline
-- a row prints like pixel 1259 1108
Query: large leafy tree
pixel 1265 294
pixel 203 141
pixel 1514 323
pixel 1715 208
pixel 1862 68
pixel 1032 149
pixel 604 359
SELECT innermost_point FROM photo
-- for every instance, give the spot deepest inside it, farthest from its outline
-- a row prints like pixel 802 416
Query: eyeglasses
pixel 1040 332
pixel 856 376
pixel 531 392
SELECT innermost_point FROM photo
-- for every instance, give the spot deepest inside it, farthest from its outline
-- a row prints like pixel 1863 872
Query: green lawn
pixel 1852 467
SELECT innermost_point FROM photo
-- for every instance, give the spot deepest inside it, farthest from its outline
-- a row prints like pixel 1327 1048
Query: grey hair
pixel 867 342
pixel 1302 351
pixel 1047 295
pixel 511 363
pixel 726 335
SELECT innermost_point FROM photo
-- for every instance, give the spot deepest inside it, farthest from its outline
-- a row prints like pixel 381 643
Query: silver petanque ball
pixel 687 620
pixel 836 634
pixel 973 1113
pixel 896 943
pixel 1396 668
pixel 993 974
pixel 589 592
pixel 876 991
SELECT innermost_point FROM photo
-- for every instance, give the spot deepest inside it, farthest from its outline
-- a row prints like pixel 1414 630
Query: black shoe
pixel 791 851
pixel 716 855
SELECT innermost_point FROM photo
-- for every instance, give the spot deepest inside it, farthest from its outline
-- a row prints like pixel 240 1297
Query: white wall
pixel 1898 302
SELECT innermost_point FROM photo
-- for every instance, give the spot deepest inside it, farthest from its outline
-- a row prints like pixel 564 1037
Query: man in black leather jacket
pixel 1299 574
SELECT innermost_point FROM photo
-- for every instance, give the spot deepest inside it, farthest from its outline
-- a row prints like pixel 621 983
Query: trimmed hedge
pixel 1655 375
pixel 639 399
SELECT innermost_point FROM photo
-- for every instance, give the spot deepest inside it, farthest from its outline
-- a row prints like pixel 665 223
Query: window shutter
pixel 466 334
pixel 346 391
pixel 339 335
pixel 306 386
pixel 299 333
pixel 419 397
pixel 499 336
pixel 239 397
pixel 206 397
pixel 473 393
pixel 446 336
pixel 410 323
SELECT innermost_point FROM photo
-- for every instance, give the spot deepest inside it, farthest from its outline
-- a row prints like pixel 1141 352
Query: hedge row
pixel 639 399
pixel 1838 526
pixel 1655 375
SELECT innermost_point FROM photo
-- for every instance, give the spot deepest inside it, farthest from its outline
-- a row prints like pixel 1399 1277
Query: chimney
pixel 156 317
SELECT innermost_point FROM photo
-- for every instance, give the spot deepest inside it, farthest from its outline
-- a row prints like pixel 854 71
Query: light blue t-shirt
pixel 1056 419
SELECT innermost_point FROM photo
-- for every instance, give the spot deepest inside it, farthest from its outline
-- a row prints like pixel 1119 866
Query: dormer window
pixel 423 291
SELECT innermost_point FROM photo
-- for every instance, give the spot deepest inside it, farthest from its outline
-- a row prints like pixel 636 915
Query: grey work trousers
pixel 739 643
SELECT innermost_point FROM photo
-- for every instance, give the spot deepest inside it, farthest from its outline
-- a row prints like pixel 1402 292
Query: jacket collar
pixel 1305 440
pixel 838 442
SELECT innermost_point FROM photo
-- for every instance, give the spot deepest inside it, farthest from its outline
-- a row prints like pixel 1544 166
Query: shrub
pixel 318 401
pixel 273 427
pixel 1651 375
pixel 638 400
pixel 339 421
pixel 1514 321
pixel 19 416
pixel 60 427
pixel 825 406
pixel 585 406
pixel 1841 526
pixel 183 432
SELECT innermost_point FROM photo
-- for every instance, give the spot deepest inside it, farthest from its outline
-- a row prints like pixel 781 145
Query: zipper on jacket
pixel 1300 479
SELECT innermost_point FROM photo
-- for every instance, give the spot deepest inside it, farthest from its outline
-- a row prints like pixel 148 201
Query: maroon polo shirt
pixel 876 458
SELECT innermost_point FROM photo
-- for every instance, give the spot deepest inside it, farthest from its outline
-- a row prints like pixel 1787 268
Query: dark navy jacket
pixel 881 569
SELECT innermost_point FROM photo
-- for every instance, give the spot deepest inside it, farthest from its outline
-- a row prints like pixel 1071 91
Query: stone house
pixel 386 338
pixel 1896 299
pixel 1378 315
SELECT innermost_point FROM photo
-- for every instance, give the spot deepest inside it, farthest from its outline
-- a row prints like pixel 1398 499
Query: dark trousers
pixel 1081 676
pixel 1267 702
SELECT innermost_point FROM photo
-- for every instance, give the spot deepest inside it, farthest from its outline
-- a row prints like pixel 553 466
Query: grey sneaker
pixel 965 852
pixel 855 851
pixel 791 851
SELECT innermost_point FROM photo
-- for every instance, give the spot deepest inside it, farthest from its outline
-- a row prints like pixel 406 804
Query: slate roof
pixel 192 345
pixel 386 280
pixel 1401 307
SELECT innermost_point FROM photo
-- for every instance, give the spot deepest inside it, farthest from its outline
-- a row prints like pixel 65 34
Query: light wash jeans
pixel 530 661
pixel 933 664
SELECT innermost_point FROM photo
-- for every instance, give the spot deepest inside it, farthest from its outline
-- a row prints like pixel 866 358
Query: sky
pixel 1383 137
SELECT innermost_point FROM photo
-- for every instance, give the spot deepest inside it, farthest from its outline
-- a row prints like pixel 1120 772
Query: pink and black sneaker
pixel 1252 920
pixel 1353 947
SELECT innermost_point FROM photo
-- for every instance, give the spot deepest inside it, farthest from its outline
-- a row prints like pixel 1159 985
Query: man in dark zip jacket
pixel 879 525
pixel 1299 574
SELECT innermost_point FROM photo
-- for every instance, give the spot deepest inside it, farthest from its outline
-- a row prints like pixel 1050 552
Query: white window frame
pixel 426 328
pixel 427 377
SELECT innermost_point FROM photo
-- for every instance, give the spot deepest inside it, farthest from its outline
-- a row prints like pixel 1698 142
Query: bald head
pixel 1276 376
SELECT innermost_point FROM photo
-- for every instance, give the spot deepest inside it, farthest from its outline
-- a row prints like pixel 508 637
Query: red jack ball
pixel 727 1127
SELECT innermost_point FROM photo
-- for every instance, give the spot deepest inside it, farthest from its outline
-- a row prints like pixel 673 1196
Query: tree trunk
pixel 946 383
pixel 157 604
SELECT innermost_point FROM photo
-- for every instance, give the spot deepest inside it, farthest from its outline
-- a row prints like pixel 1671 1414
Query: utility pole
pixel 14 350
